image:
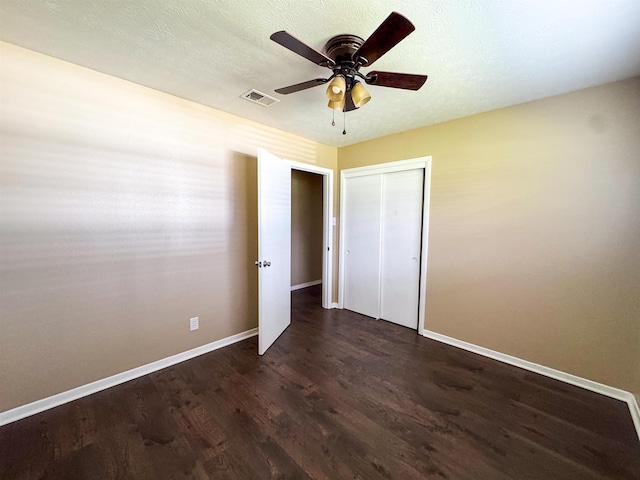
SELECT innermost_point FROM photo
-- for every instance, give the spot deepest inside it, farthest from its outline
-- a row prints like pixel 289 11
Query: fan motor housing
pixel 342 47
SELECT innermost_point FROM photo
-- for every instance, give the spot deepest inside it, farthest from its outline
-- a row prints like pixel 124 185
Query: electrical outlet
pixel 194 324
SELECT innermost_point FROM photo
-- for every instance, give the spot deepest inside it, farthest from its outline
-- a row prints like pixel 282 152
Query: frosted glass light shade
pixel 359 95
pixel 336 89
pixel 337 105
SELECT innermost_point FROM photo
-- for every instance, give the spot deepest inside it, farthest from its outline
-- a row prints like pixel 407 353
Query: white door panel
pixel 274 248
pixel 401 244
pixel 362 244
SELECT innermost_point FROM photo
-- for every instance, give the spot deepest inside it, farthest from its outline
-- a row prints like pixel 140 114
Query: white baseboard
pixel 600 388
pixel 93 387
pixel 334 305
pixel 305 285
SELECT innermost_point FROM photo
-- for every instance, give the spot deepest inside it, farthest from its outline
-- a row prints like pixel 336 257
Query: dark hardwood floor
pixel 339 396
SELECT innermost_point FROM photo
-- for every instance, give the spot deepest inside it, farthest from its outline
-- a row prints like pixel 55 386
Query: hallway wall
pixel 306 227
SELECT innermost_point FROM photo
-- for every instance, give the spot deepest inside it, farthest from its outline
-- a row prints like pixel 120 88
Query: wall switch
pixel 194 324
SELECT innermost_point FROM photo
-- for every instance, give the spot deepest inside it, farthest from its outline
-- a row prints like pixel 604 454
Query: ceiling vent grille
pixel 260 98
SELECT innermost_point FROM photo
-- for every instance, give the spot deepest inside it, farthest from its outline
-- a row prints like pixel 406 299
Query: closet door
pixel 402 194
pixel 362 244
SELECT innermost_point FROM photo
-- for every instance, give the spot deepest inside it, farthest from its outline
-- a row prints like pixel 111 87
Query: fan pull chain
pixel 344 119
pixel 333 118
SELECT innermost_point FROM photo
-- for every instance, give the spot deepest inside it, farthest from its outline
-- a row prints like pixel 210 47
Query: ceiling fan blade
pixel 387 35
pixel 301 86
pixel 407 81
pixel 348 102
pixel 292 43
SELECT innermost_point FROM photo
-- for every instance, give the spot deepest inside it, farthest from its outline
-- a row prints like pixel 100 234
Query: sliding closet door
pixel 362 244
pixel 402 194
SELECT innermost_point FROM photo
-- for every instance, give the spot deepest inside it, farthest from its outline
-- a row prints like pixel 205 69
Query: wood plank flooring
pixel 339 396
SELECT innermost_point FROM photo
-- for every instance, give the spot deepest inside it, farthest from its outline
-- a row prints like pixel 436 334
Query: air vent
pixel 260 98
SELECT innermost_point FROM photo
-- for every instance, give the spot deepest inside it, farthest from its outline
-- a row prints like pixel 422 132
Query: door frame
pixel 397 166
pixel 327 227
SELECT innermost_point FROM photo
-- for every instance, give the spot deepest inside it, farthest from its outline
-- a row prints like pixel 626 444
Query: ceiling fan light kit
pixel 345 55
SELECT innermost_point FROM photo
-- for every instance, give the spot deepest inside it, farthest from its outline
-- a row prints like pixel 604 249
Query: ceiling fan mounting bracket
pixel 341 50
pixel 342 47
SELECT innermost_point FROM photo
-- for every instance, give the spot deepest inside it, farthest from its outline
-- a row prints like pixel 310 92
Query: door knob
pixel 267 264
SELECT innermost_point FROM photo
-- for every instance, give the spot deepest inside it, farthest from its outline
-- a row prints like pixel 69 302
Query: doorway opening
pixel 312 224
pixel 274 243
pixel 306 233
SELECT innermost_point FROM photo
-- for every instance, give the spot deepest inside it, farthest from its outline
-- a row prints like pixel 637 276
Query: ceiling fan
pixel 345 55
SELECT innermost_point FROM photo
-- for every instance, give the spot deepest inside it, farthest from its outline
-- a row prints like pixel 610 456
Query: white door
pixel 274 248
pixel 362 244
pixel 401 245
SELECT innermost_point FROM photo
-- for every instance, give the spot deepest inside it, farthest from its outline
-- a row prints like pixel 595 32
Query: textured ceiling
pixel 479 54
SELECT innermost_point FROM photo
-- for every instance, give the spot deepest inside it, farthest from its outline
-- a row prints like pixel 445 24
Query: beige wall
pixel 124 211
pixel 636 389
pixel 306 227
pixel 534 240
